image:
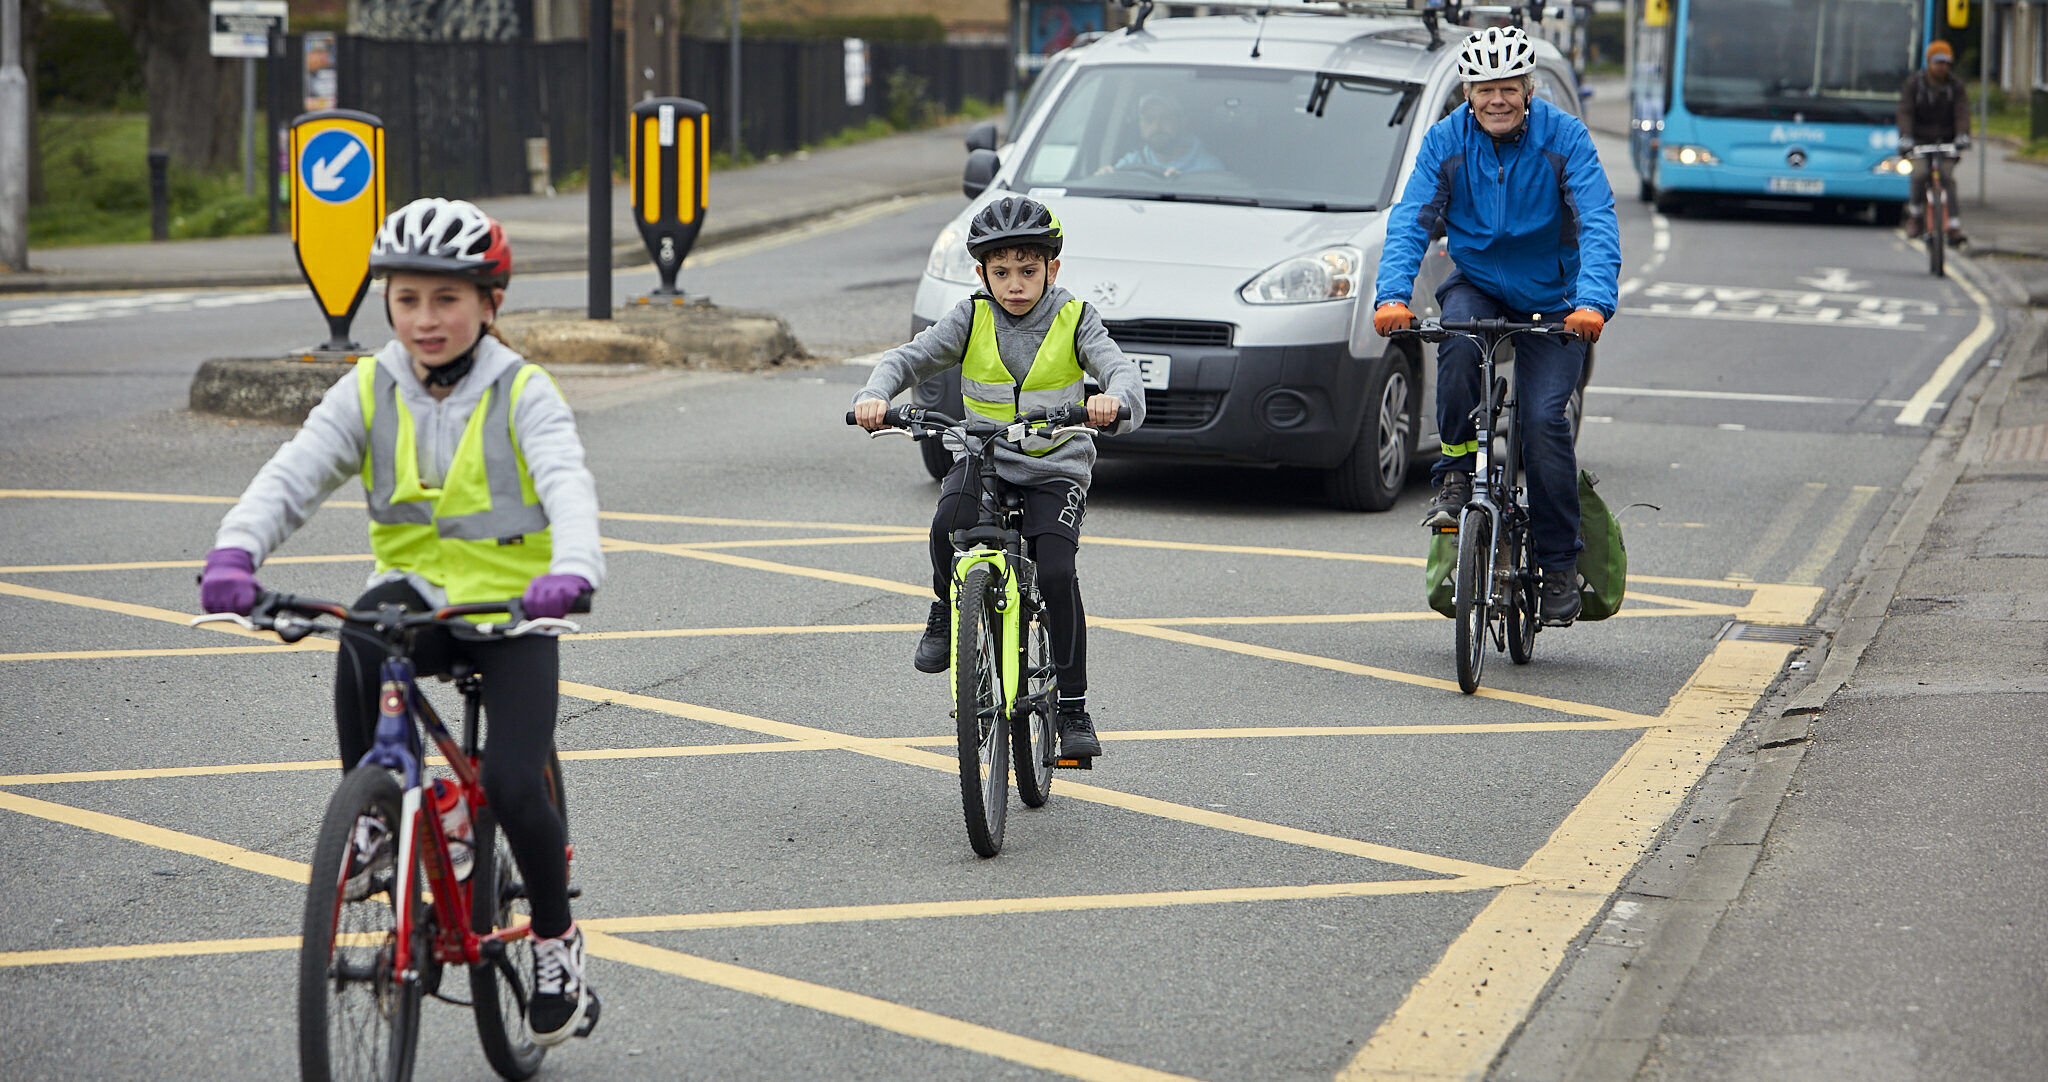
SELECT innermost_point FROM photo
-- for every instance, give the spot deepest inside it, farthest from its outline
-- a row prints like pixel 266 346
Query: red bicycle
pixel 388 907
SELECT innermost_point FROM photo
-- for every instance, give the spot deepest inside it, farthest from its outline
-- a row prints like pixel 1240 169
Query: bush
pixel 1605 44
pixel 898 29
pixel 85 60
pixel 908 108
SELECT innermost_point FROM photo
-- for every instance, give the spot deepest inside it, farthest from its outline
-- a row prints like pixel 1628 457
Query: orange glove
pixel 1392 316
pixel 1586 323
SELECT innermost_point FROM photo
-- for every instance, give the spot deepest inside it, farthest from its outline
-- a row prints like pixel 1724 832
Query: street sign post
pixel 337 160
pixel 243 28
pixel 671 153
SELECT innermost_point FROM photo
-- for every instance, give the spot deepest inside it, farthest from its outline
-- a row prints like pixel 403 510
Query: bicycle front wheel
pixel 1937 234
pixel 1031 729
pixel 1475 575
pixel 357 1019
pixel 978 713
pixel 500 989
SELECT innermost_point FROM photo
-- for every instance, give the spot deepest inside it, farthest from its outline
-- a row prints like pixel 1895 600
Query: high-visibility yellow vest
pixel 481 536
pixel 1055 378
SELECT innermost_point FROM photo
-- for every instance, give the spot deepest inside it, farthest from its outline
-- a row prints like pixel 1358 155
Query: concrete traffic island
pixel 282 390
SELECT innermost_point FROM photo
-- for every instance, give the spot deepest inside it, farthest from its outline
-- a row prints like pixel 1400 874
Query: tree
pixel 195 107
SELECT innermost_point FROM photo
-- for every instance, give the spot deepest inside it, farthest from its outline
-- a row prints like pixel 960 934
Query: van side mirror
pixel 982 166
pixel 982 136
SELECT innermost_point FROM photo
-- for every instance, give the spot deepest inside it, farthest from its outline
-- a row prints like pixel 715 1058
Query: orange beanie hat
pixel 1940 50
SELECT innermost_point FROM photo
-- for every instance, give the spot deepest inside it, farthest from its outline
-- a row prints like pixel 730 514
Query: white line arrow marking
pixel 327 172
pixel 1834 280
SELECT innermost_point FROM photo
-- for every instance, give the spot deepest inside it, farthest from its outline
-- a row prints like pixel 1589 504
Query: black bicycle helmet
pixel 1010 222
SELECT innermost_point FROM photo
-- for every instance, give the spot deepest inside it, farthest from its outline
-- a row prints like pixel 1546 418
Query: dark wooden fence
pixel 457 114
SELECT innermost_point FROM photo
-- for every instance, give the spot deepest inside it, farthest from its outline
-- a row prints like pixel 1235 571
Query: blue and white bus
pixel 1773 99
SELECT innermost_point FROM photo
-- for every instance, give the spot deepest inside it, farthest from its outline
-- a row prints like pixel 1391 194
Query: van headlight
pixel 949 261
pixel 1330 274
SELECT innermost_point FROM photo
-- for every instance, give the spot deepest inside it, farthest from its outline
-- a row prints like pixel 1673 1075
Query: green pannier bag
pixel 1439 571
pixel 1603 562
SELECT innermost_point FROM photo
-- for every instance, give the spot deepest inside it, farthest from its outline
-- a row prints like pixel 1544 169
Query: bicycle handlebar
pixel 918 419
pixel 294 618
pixel 1931 150
pixel 1433 330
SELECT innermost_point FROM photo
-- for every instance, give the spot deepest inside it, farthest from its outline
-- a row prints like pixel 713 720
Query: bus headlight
pixel 949 261
pixel 1331 274
pixel 1901 166
pixel 1687 154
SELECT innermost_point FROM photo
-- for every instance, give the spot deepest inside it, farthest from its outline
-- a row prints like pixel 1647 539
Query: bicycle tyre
pixel 1937 234
pixel 1521 614
pixel 1031 731
pixel 356 1019
pixel 1475 545
pixel 983 736
pixel 498 900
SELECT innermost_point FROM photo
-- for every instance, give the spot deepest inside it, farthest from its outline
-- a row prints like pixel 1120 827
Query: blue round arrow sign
pixel 335 166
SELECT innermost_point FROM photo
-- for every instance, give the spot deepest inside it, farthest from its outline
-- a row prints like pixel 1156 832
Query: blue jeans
pixel 1546 372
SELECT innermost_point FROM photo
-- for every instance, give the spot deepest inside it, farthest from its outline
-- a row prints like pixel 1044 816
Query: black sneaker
pixel 1077 735
pixel 563 1005
pixel 937 641
pixel 369 859
pixel 1558 598
pixel 1453 492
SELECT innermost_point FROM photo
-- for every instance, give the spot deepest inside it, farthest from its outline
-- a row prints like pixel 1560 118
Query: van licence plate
pixel 1798 185
pixel 1153 369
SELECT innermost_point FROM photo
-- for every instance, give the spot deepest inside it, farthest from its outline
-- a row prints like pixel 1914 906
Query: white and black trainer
pixel 563 1005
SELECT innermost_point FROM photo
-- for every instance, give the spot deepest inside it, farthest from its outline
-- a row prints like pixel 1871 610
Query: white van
pixel 1222 182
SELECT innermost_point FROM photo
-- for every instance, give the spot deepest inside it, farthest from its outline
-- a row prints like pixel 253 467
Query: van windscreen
pixel 1220 134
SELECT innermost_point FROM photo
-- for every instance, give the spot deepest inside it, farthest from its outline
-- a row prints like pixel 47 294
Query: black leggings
pixel 1054 553
pixel 519 693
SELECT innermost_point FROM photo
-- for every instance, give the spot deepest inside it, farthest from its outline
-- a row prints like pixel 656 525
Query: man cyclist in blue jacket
pixel 1516 187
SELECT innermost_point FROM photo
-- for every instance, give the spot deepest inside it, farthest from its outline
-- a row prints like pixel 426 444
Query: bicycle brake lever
pixel 540 623
pixel 880 432
pixel 224 618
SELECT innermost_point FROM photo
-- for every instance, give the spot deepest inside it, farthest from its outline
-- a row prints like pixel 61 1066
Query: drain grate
pixel 1797 636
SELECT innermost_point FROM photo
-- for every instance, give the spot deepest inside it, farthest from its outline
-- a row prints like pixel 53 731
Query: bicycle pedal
pixel 590 1015
pixel 575 891
pixel 1085 762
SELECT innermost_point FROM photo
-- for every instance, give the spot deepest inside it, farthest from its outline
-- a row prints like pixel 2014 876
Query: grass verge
pixel 96 187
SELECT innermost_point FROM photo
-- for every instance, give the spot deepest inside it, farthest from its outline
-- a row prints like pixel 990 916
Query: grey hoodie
pixel 943 345
pixel 329 449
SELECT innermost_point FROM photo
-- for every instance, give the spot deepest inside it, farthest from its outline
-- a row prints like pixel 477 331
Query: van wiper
pixel 1187 197
pixel 1317 205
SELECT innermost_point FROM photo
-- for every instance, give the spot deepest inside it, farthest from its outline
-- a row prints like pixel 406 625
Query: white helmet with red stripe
pixel 443 236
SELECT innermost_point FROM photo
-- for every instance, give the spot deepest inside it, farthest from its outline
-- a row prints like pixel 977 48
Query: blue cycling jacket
pixel 1530 221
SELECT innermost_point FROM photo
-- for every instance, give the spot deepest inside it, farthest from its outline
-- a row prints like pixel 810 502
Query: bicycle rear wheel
pixel 978 714
pixel 357 1020
pixel 499 989
pixel 1031 729
pixel 1475 574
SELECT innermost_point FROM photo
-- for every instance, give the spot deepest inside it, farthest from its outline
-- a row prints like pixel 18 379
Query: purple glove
pixel 551 595
pixel 228 584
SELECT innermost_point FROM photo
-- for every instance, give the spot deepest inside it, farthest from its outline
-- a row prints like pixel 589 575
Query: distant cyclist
pixel 477 492
pixel 1934 107
pixel 1516 186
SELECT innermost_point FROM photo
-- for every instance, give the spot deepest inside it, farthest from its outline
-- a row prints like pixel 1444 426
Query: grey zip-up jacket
pixel 943 345
pixel 328 451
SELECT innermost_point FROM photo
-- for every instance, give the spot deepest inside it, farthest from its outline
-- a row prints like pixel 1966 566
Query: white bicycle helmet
pixel 443 236
pixel 1497 52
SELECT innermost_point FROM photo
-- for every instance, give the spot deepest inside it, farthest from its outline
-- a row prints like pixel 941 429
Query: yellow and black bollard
pixel 670 148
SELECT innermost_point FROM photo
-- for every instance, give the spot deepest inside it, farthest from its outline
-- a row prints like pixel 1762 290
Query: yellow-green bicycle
pixel 1004 687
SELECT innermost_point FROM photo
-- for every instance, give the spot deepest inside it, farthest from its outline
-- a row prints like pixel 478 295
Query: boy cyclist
pixel 459 513
pixel 1023 343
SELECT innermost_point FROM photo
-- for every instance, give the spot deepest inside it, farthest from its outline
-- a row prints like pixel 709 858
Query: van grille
pixel 1169 332
pixel 1180 409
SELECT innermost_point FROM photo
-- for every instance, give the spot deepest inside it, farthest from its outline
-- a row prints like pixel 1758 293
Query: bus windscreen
pixel 1838 61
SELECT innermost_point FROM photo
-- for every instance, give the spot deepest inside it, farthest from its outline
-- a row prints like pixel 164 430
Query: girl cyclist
pixel 477 492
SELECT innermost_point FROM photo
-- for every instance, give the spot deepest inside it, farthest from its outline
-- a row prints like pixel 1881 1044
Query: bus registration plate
pixel 1798 185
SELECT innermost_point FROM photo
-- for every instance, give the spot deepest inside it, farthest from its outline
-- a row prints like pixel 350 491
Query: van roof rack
pixel 1431 12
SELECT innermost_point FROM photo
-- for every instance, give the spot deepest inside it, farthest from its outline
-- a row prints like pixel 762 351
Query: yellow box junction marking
pixel 1454 1020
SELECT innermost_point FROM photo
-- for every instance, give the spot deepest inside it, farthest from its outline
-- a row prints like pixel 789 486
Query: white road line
pixel 1922 401
pixel 137 303
pixel 1746 396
